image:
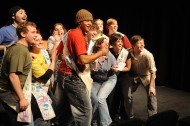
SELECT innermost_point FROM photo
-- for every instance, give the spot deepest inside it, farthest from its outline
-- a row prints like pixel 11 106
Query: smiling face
pixel 38 43
pixel 105 43
pixel 118 45
pixel 86 25
pixel 59 30
pixel 112 26
pixel 139 46
pixel 100 25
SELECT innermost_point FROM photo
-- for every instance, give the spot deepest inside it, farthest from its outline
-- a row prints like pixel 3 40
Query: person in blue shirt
pixel 8 32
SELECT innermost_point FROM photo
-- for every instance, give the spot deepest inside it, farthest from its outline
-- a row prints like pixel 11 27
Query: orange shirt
pixel 77 46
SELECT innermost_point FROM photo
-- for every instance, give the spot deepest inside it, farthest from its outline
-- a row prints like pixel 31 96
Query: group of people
pixel 83 77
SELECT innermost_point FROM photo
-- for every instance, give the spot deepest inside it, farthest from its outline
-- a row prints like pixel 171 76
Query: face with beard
pixel 20 16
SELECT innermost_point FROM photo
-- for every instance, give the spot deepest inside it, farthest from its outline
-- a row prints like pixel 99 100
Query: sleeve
pixel 151 62
pixel 126 43
pixel 79 43
pixel 46 76
pixel 19 61
pixel 16 63
pixel 51 42
pixel 1 35
pixel 129 56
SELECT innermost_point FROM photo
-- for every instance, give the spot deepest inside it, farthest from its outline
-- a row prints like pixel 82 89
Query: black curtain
pixel 165 28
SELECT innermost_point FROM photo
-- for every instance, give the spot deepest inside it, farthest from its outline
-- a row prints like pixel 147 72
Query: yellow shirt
pixel 39 65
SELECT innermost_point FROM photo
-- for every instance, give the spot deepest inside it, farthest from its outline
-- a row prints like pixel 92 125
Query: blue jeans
pixel 62 107
pixel 79 99
pixel 99 94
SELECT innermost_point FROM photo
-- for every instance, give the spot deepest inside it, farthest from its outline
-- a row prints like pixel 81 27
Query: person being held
pixel 73 65
pixel 119 97
pixel 100 25
pixel 56 37
pixel 42 71
pixel 104 80
pixel 15 72
pixel 62 106
pixel 8 32
pixel 143 71
pixel 112 27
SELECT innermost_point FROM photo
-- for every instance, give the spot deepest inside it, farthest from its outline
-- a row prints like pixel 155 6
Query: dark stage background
pixel 165 27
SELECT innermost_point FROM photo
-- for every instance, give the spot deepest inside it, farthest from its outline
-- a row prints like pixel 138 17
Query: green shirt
pixel 17 60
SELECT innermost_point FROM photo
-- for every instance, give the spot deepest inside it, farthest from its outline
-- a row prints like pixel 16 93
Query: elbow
pixel 83 62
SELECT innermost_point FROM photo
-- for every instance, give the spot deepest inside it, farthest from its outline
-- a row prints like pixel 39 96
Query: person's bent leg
pixel 79 99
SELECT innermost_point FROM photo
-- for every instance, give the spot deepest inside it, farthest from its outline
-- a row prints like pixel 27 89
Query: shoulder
pixel 120 34
pixel 130 50
pixel 147 52
pixel 3 29
pixel 125 50
pixel 22 48
pixel 74 31
pixel 8 27
pixel 51 38
pixel 111 56
pixel 76 35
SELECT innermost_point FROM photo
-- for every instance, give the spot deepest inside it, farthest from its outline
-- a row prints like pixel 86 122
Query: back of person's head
pixel 83 15
pixel 135 38
pixel 114 37
pixel 22 27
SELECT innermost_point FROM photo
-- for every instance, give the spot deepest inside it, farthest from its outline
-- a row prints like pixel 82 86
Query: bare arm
pixel 15 81
pixel 128 65
pixel 2 47
pixel 53 59
pixel 91 58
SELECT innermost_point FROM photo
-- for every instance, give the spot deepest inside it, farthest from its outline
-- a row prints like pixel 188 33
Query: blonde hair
pixel 110 21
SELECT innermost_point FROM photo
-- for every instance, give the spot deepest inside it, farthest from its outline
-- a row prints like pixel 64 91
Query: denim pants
pixel 99 94
pixel 62 107
pixel 79 99
pixel 151 100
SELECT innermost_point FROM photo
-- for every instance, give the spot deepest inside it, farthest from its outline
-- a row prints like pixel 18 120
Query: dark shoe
pixel 117 118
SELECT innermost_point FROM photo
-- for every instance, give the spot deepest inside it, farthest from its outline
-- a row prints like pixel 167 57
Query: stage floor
pixel 168 98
